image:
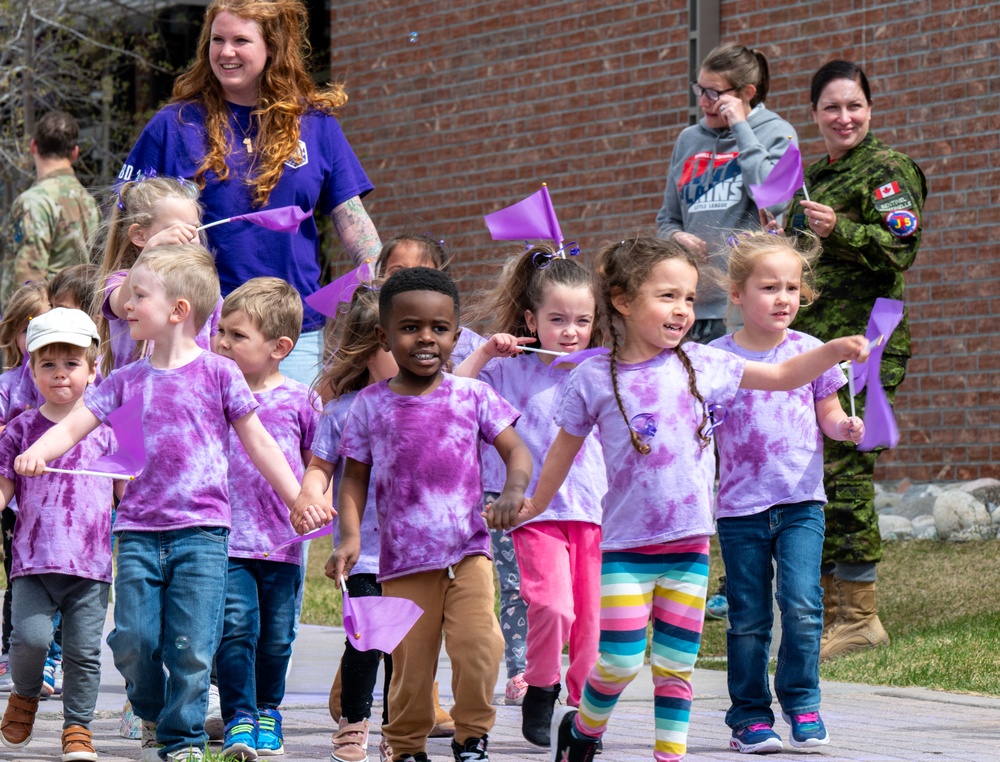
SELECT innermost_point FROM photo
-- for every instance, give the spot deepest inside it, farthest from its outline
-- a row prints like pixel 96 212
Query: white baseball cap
pixel 62 326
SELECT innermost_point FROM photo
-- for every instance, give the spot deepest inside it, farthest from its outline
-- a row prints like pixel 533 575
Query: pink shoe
pixel 516 688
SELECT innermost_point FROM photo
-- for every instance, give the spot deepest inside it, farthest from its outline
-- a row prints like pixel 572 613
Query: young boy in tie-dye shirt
pixel 173 522
pixel 417 434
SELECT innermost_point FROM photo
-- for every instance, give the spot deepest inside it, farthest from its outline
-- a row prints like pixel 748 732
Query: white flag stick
pixel 543 351
pixel 213 224
pixel 125 477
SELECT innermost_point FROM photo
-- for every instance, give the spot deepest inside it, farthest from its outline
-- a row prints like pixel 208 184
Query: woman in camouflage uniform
pixel 866 207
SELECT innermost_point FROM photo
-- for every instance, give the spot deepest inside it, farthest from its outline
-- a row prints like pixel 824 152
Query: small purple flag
pixel 880 424
pixel 378 622
pixel 782 182
pixel 321 532
pixel 532 218
pixel 331 296
pixel 130 457
pixel 282 219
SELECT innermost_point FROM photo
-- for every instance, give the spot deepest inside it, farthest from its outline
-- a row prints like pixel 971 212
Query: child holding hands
pixel 658 509
pixel 259 326
pixel 173 522
pixel 61 557
pixel 418 434
pixel 770 502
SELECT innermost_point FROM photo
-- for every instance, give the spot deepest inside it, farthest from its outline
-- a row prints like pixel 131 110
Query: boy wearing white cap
pixel 61 549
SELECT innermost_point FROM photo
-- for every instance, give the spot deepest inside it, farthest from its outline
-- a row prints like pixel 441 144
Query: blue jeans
pixel 305 360
pixel 257 635
pixel 793 536
pixel 169 597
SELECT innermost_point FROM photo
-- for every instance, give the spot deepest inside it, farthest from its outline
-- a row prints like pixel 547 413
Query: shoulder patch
pixel 902 224
pixel 892 197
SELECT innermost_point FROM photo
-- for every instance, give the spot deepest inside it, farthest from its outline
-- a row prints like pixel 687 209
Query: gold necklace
pixel 247 142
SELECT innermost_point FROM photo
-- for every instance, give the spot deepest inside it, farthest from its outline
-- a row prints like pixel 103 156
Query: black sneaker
pixel 565 746
pixel 418 757
pixel 473 749
pixel 536 713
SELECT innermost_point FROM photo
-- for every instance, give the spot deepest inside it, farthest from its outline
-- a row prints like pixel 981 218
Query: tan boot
pixel 78 745
pixel 335 697
pixel 18 720
pixel 444 726
pixel 831 600
pixel 857 627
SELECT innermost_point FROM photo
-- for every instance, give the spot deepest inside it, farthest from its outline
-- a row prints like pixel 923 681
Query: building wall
pixel 460 108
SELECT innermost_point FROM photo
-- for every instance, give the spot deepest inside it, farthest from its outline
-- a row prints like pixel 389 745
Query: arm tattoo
pixel 357 231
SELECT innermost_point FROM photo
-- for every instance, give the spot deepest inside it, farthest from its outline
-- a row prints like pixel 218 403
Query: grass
pixel 938 603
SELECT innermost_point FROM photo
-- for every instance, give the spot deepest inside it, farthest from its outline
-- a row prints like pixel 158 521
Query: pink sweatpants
pixel 560 564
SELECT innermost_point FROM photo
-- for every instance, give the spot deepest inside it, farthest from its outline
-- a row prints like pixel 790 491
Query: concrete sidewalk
pixel 869 723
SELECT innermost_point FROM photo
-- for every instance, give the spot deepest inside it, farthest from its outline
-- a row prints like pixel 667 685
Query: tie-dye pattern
pixel 669 581
pixel 770 446
pixel 325 445
pixel 64 520
pixel 427 473
pixel 535 388
pixel 18 392
pixel 289 412
pixel 123 347
pixel 186 416
pixel 667 494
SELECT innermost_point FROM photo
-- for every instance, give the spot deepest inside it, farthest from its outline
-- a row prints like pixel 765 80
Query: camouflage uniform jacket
pixel 51 226
pixel 878 195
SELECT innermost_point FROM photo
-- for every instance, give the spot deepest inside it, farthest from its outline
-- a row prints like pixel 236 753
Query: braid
pixel 641 447
pixel 693 387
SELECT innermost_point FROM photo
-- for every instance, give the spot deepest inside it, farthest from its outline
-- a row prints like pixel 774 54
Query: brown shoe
pixel 78 744
pixel 18 720
pixel 857 627
pixel 444 726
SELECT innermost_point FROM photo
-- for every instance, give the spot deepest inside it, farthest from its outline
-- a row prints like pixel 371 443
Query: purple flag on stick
pixel 130 457
pixel 580 355
pixel 378 622
pixel 785 178
pixel 321 532
pixel 283 219
pixel 331 296
pixel 532 218
pixel 880 424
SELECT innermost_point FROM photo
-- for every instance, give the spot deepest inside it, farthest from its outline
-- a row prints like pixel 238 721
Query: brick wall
pixel 460 108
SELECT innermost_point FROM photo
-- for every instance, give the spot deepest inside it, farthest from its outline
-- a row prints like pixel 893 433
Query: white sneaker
pixel 214 725
pixel 190 754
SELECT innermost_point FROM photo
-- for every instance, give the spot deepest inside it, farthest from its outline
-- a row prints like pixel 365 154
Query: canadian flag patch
pixel 890 189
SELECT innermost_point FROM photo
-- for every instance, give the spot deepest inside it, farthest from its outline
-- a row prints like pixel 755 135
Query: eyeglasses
pixel 708 92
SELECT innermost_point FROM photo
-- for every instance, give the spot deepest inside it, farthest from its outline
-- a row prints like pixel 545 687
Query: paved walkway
pixel 866 723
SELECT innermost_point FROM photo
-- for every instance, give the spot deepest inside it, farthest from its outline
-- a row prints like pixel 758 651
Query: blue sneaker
pixel 717 607
pixel 808 730
pixel 270 742
pixel 240 743
pixel 758 738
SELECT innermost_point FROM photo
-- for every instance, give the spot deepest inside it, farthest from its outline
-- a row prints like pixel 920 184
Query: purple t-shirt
pixel 64 520
pixel 667 494
pixel 260 519
pixel 427 474
pixel 123 345
pixel 18 392
pixel 328 174
pixel 535 389
pixel 770 445
pixel 186 414
pixel 325 446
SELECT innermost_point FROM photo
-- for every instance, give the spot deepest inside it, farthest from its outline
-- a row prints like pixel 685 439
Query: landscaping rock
pixel 894 528
pixel 887 502
pixel 924 528
pixel 959 516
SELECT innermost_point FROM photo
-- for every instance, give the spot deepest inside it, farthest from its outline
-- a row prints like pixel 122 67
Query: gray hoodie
pixel 706 192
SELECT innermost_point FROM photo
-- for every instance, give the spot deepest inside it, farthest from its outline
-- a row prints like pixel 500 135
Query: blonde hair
pixel 354 343
pixel 30 300
pixel 523 285
pixel 746 250
pixel 287 91
pixel 132 203
pixel 621 269
pixel 187 271
pixel 272 304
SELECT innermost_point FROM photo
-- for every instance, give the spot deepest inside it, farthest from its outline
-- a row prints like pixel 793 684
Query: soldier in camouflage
pixel 866 204
pixel 53 223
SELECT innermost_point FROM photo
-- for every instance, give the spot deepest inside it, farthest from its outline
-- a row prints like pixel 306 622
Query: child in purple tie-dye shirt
pixel 770 503
pixel 417 435
pixel 173 522
pixel 654 403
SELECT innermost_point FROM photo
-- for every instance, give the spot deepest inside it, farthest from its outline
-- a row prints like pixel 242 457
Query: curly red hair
pixel 287 91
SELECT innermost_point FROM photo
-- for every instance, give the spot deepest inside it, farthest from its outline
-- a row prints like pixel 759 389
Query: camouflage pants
pixel 852 534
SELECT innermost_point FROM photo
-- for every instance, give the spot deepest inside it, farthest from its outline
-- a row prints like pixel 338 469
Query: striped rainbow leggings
pixel 669 580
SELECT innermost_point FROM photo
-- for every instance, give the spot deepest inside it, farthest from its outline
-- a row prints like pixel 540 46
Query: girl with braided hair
pixel 654 403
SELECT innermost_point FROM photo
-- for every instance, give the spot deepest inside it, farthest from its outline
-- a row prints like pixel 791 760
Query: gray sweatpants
pixel 84 604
